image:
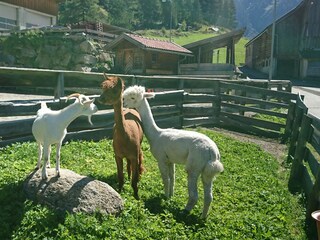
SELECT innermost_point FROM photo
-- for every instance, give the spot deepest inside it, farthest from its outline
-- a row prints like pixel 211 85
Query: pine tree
pixel 76 11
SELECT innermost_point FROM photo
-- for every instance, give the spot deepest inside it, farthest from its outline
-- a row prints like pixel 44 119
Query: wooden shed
pixel 135 54
pixel 296 45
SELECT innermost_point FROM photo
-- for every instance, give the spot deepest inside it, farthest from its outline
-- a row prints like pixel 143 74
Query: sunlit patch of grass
pixel 251 200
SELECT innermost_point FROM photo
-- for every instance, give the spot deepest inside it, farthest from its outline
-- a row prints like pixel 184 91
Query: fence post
pixel 296 178
pixel 59 92
pixel 295 130
pixel 289 122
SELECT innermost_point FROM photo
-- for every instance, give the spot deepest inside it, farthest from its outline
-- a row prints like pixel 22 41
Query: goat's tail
pixel 213 168
pixel 43 109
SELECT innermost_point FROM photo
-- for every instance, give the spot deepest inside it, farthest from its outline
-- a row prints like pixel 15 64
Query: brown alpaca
pixel 127 132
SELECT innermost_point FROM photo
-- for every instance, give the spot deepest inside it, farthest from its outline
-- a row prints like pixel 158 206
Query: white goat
pixel 197 152
pixel 50 127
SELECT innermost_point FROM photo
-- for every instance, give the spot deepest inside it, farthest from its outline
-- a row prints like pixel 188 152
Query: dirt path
pixel 271 146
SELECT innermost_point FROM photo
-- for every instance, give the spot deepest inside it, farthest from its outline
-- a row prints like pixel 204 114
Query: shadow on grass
pixel 155 206
pixel 14 208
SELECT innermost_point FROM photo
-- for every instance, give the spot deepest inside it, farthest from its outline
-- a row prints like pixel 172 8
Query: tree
pixel 76 11
pixel 122 13
pixel 151 13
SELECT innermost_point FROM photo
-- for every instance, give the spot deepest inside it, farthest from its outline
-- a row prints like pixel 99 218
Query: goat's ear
pixel 88 102
pixel 149 95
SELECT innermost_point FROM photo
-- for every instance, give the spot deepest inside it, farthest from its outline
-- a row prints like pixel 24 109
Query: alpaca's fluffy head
pixel 112 88
pixel 134 95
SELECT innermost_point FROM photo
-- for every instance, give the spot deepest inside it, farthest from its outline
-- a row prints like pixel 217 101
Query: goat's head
pixel 86 104
pixel 134 95
pixel 112 88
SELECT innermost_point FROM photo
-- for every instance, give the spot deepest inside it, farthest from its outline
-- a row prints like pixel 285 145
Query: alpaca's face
pixel 112 89
pixel 132 97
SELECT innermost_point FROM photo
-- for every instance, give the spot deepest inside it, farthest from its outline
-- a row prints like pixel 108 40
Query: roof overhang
pixel 219 41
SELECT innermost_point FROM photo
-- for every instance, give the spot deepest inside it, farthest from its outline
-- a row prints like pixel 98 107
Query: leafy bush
pixel 251 200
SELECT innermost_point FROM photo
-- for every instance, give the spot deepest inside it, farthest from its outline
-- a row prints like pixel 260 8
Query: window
pixel 7 23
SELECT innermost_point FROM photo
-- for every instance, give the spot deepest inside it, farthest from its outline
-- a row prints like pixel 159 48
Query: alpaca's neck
pixel 150 127
pixel 68 114
pixel 118 114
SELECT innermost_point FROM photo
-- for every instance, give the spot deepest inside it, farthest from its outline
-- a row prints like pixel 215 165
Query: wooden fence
pixel 304 154
pixel 203 102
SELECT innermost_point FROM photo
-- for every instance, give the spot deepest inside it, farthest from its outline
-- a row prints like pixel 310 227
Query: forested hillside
pixel 146 14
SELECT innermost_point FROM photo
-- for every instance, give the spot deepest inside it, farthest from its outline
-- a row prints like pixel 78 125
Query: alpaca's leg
pixel 207 192
pixel 120 172
pixel 192 190
pixel 163 167
pixel 141 168
pixel 135 177
pixel 49 154
pixel 171 168
pixel 46 156
pixel 40 150
pixel 58 159
pixel 129 169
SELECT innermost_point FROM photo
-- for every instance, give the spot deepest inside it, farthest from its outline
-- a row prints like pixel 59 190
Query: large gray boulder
pixel 72 192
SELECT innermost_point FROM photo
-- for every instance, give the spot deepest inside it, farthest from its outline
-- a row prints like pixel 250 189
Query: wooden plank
pixel 253 109
pixel 289 122
pixel 198 111
pixel 254 122
pixel 307 182
pixel 10 109
pixel 249 100
pixel 244 127
pixel 15 128
pixel 172 97
pixel 199 98
pixel 271 93
pixel 200 121
pixel 312 162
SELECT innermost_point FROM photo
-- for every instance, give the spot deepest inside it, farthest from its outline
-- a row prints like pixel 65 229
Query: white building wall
pixel 23 17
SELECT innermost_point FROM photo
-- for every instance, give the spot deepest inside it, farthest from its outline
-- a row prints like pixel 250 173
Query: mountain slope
pixel 257 15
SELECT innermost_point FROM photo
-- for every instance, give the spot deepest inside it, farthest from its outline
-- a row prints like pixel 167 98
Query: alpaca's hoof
pixel 136 196
pixel 185 212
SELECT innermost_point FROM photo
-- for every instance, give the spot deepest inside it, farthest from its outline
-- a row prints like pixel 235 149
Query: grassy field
pixel 183 38
pixel 251 200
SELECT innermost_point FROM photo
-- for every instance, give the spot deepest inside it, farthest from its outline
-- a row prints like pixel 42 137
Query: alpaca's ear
pixel 149 95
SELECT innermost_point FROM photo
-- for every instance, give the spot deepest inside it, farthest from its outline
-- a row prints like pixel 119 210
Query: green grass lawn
pixel 251 200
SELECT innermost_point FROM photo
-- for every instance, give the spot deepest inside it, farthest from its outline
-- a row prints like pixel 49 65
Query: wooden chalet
pixel 297 44
pixel 135 54
pixel 25 14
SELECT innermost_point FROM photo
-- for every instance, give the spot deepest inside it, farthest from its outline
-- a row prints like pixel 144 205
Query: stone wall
pixel 37 49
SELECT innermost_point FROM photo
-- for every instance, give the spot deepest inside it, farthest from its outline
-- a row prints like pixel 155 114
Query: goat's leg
pixel 46 156
pixel 49 154
pixel 192 190
pixel 120 172
pixel 207 192
pixel 164 170
pixel 135 177
pixel 58 159
pixel 172 169
pixel 40 150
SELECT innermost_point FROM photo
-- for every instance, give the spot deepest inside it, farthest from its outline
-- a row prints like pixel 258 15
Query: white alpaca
pixel 50 127
pixel 197 152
